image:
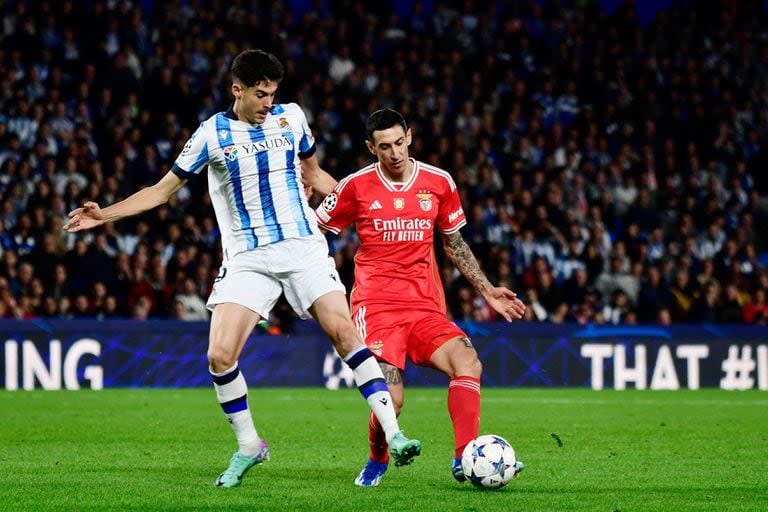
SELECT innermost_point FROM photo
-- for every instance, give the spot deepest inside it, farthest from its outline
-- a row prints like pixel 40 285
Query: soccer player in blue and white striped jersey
pixel 255 154
pixel 254 168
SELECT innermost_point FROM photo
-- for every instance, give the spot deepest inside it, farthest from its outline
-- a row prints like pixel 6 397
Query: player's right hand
pixel 87 217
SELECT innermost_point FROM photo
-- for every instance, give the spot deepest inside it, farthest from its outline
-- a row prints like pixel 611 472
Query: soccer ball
pixel 489 462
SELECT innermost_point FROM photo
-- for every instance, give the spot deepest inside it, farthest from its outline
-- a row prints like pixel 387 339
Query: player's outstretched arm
pixel 91 215
pixel 314 176
pixel 501 299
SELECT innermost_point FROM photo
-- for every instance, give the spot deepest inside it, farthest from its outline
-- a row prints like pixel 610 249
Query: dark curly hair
pixel 253 66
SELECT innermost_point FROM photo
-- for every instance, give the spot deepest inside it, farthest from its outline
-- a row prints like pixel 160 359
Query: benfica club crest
pixel 399 203
pixel 376 347
pixel 425 201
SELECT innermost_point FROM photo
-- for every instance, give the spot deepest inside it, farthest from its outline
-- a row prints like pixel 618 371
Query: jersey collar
pixel 230 113
pixel 394 186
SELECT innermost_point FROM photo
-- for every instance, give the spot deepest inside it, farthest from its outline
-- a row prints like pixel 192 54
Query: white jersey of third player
pixel 254 176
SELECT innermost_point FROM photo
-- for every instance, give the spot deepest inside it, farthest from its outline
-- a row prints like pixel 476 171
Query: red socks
pixel 464 408
pixel 377 440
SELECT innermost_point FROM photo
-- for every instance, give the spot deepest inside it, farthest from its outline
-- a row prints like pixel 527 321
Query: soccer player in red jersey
pixel 397 301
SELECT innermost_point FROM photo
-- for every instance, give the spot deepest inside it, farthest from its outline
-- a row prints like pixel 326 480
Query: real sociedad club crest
pixel 425 201
pixel 284 123
pixel 230 153
pixel 399 203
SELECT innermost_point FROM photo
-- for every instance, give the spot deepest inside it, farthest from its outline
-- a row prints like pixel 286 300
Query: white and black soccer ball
pixel 489 462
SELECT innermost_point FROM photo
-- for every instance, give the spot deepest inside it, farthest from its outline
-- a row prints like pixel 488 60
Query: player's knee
pixel 221 359
pixel 468 365
pixel 476 367
pixel 344 337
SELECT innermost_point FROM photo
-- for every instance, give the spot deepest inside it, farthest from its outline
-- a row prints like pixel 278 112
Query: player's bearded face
pixel 391 148
pixel 252 104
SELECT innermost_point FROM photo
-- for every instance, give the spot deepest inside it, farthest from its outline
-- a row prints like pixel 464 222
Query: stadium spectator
pixel 705 308
pixel 756 311
pixel 192 306
pixel 654 296
pixel 732 307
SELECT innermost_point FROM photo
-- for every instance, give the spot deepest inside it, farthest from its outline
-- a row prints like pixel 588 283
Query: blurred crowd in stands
pixel 611 172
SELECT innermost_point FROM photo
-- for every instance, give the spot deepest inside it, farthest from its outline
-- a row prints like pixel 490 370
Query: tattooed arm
pixel 504 301
pixel 461 256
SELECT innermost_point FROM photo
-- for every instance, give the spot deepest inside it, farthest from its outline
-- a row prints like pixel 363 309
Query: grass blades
pixel 583 450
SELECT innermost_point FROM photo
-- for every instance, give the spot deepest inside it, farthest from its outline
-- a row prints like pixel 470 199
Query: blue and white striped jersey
pixel 254 176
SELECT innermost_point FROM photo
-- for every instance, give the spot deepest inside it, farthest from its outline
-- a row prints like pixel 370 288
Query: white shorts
pixel 300 267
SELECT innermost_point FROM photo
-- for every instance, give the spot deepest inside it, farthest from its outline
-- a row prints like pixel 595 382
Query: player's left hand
pixel 87 217
pixel 505 303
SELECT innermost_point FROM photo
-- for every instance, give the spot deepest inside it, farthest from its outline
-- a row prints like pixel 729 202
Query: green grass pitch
pixel 162 450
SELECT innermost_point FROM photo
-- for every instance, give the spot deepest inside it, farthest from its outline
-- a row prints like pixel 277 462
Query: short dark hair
pixel 383 119
pixel 253 66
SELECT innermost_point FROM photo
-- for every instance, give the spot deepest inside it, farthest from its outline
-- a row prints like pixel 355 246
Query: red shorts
pixel 393 335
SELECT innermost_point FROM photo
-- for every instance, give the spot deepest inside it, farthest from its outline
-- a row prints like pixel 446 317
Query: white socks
pixel 232 393
pixel 370 382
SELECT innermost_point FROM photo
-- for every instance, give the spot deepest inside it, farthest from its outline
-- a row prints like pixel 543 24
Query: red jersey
pixel 395 265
